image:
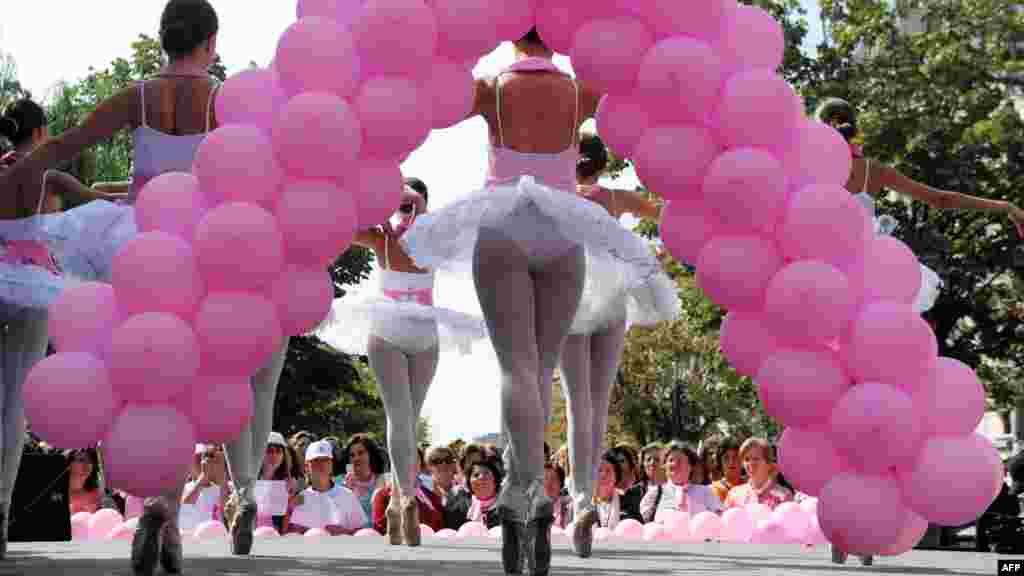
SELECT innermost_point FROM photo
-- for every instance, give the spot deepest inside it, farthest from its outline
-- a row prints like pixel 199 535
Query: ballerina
pixel 524 235
pixel 612 302
pixel 402 332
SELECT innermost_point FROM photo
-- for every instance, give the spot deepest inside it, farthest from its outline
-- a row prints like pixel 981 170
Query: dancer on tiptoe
pixel 525 235
pixel 870 178
pixel 612 301
pixel 402 332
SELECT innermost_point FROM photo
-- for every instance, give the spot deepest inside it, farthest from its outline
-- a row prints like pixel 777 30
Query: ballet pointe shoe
pixel 410 521
pixel 393 513
pixel 538 530
pixel 146 541
pixel 3 533
pixel 511 506
pixel 583 533
pixel 170 549
pixel 244 523
pixel 838 556
pixel 867 560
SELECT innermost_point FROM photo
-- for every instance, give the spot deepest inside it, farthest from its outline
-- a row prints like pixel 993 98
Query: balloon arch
pixel 230 259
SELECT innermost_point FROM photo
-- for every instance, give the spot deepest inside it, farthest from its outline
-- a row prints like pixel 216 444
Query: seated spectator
pixel 708 453
pixel 325 504
pixel 630 471
pixel 732 469
pixel 484 479
pixel 678 493
pixel 207 495
pixel 759 461
pixel 443 467
pixel 83 481
pixel 651 474
pixel 607 500
pixel 277 466
pixel 471 454
pixel 367 474
pixel 554 484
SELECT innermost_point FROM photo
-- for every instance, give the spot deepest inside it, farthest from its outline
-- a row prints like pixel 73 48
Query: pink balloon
pixel 494 533
pixel 653 532
pixel 737 526
pixel 770 531
pixel 824 223
pixel 472 530
pixel 451 89
pixel 809 505
pixel 608 53
pixel 557 22
pixel 672 160
pixel 888 271
pixel 685 229
pixel 706 526
pixel 316 135
pixel 303 298
pixel 396 117
pixel 211 530
pixel 466 29
pixel 317 55
pixel 446 533
pixel 875 427
pixel 124 531
pixel 395 37
pixel 809 303
pixel 236 163
pixel 622 121
pixel 815 536
pixel 220 408
pixel 317 220
pixel 808 459
pixel 861 514
pixel 602 533
pixel 758 109
pixel 735 270
pixel 705 20
pixel 316 533
pixel 426 531
pixel 148 450
pixel 913 530
pixel 79 527
pixel 266 533
pixel 800 388
pixel 630 529
pixel 344 12
pixel 82 318
pixel 156 272
pixel 952 401
pixel 237 332
pixel 250 97
pixel 69 399
pixel 817 154
pixel 680 79
pixel 745 188
pixel 376 188
pixel 758 512
pixel 746 340
pixel 514 18
pixel 954 480
pixel 103 522
pixel 152 357
pixel 754 40
pixel 239 247
pixel 890 342
pixel 171 203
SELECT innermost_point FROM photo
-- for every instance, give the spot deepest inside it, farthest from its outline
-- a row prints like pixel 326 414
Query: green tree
pixel 423 431
pixel 939 106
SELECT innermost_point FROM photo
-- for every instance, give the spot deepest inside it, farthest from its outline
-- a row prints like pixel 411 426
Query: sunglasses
pixel 406 208
pixel 440 461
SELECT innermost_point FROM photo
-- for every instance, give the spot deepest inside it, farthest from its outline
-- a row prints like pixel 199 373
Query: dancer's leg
pixel 575 368
pixel 605 354
pixel 391 367
pixel 159 522
pixel 422 368
pixel 264 389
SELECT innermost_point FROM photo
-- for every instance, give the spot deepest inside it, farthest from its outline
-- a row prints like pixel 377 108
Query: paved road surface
pixel 346 556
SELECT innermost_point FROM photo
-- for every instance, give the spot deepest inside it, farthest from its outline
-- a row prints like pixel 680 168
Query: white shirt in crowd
pixel 336 507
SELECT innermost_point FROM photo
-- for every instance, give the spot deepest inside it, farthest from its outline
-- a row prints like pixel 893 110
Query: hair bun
pixel 847 130
pixel 8 127
pixel 177 36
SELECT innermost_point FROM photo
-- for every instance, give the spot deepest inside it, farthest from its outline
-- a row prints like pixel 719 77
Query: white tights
pixel 23 338
pixel 245 454
pixel 589 364
pixel 528 307
pixel 403 380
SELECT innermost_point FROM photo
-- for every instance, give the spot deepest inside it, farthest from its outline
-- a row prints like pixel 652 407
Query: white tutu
pixel 98 230
pixel 28 285
pixel 544 222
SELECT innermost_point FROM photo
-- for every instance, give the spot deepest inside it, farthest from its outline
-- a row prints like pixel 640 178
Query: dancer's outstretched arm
pixel 619 202
pixel 71 186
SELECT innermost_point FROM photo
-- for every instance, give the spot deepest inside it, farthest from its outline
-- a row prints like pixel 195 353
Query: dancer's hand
pixel 596 194
pixel 410 195
pixel 1017 217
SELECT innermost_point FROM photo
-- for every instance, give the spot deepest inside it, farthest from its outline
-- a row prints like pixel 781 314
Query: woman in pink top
pixel 83 481
pixel 758 459
pixel 524 237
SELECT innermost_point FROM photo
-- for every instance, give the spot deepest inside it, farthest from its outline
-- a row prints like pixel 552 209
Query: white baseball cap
pixel 319 449
pixel 276 439
pixel 201 448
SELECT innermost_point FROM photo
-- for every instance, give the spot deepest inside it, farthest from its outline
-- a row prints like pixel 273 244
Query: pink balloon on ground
pixel 824 223
pixel 758 109
pixel 685 229
pixel 652 532
pixel 239 247
pixel 79 529
pixel 395 37
pixel 672 160
pixel 621 121
pixel 365 533
pixel 952 401
pixel 210 530
pixel 103 522
pixel 316 135
pixel 317 54
pixel 446 533
pixel 171 203
pixel 130 461
pixel 395 114
pixel 770 531
pixel 679 80
pixel 452 90
pixel 124 531
pixel 890 342
pixel 800 388
pixel 817 154
pixel 607 54
pixel 815 537
pixel 601 534
pixel 69 399
pixel 317 533
pixel 152 357
pixel 494 533
pixel 809 505
pixel 629 529
pixel 473 530
pixel 737 526
pixel 250 97
pixel 861 514
pixel 954 480
pixel 237 332
pixel 376 189
pixel 344 12
pixel 318 221
pixel 426 531
pixel 808 459
pixel 733 271
pixel 266 533
pixel 809 303
pixel 758 512
pixel 753 40
pixel 303 298
pixel 82 318
pixel 220 408
pixel 746 340
pixel 157 272
pixel 796 523
pixel 745 188
pixel 236 163
pixel 706 526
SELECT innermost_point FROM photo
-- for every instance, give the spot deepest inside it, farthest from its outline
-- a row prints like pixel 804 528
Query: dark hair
pixel 467 451
pixel 614 457
pixel 417 185
pixel 185 25
pixel 727 445
pixel 558 472
pixel 93 481
pixel 20 120
pixel 838 109
pixel 678 446
pixel 593 157
pixel 285 470
pixel 377 463
pixel 297 461
pixel 492 464
pixel 626 454
pixel 531 38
